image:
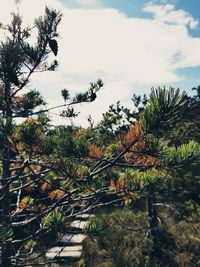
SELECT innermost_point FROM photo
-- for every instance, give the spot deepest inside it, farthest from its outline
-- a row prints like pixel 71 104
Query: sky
pixel 132 45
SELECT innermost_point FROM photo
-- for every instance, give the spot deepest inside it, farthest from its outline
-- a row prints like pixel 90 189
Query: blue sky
pixel 134 7
pixel 129 7
pixel 132 45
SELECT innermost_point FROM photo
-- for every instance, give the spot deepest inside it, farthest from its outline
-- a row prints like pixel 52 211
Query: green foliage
pixel 136 180
pixel 60 141
pixel 47 25
pixel 140 102
pixel 43 119
pixel 54 221
pixel 27 103
pixel 69 113
pixel 188 240
pixel 30 244
pixel 16 51
pixel 6 234
pixel 10 62
pixel 183 156
pixel 117 240
pixel 69 141
pixel 50 177
pixel 81 97
pixel 111 150
pixel 90 94
pixel 96 227
pixel 163 110
pixel 98 182
pixel 65 94
pixel 189 125
pixel 53 66
pixel 116 120
pixel 32 99
pixel 26 202
pixel 154 146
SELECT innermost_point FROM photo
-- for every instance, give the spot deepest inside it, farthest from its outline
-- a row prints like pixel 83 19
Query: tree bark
pixel 152 214
pixel 6 249
pixel 153 223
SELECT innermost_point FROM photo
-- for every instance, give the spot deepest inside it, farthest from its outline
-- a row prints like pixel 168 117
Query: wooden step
pixel 71 239
pixel 64 252
pixel 84 216
pixel 78 224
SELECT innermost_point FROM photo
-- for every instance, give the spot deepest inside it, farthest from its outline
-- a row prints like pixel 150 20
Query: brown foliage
pixel 94 151
pixel 45 186
pixel 57 194
pixel 133 134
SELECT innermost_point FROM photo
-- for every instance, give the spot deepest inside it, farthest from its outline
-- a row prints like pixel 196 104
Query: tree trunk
pixel 152 214
pixel 6 249
pixel 156 253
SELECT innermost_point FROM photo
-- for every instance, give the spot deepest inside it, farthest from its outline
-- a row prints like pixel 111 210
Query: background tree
pixel 29 189
pixel 149 179
pixel 18 61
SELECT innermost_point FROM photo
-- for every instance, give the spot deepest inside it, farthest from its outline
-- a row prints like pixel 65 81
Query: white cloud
pixel 167 14
pixel 127 53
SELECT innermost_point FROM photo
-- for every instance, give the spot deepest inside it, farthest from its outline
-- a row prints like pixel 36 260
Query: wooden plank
pixel 78 224
pixel 84 216
pixel 68 248
pixel 63 252
pixel 72 238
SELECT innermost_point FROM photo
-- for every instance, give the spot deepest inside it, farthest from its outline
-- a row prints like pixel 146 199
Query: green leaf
pixel 183 156
pixel 163 110
pixel 54 220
